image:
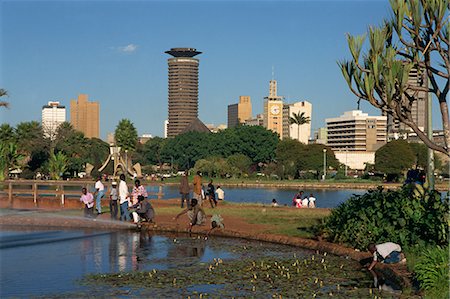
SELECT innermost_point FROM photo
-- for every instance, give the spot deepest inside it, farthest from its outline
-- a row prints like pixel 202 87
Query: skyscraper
pixel 273 110
pixel 53 114
pixel 240 112
pixel 84 116
pixel 183 89
pixel 419 109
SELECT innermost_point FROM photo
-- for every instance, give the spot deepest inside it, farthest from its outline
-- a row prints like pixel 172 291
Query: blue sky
pixel 114 51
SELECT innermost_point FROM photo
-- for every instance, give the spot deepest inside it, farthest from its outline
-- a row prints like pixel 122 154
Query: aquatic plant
pixel 432 272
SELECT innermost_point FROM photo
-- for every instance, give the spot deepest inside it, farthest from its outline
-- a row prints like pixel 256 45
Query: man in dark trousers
pixel 184 190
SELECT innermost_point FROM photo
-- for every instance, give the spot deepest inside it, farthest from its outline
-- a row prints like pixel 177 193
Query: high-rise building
pixel 183 89
pixel 301 133
pixel 53 114
pixel 273 110
pixel 320 136
pixel 240 112
pixel 419 109
pixel 356 131
pixel 85 116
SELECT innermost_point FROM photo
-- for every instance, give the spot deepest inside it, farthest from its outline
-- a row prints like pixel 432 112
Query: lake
pixel 326 198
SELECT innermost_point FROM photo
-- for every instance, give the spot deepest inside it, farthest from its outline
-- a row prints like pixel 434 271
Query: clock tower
pixel 273 110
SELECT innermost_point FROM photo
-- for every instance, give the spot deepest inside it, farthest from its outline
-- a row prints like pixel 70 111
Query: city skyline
pixel 114 51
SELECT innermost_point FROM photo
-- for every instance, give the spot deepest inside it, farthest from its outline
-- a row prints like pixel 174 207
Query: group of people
pixel 300 201
pixel 194 206
pixel 134 205
pixel 199 192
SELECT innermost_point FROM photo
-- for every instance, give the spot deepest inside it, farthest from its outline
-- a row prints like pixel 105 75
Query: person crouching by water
pixel 195 213
pixel 143 210
pixel 113 197
pixel 388 253
pixel 184 190
pixel 88 199
pixel 216 222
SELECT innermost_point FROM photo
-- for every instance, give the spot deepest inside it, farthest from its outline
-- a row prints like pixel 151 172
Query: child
pixel 312 201
pixel 220 193
pixel 305 202
pixel 274 203
pixel 211 194
pixel 113 197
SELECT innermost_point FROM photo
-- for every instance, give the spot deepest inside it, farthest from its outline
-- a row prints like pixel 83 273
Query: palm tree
pixel 9 158
pixel 299 119
pixel 57 165
pixel 3 93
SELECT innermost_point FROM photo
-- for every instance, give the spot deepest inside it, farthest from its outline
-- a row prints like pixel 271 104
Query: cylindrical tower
pixel 183 89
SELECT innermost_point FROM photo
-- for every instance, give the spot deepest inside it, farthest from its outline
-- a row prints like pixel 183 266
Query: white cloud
pixel 128 48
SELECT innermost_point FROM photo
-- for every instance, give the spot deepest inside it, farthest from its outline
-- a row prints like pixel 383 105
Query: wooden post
pixel 62 194
pixel 35 191
pixel 10 194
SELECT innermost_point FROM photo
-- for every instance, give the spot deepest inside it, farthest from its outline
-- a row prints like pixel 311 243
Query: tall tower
pixel 273 110
pixel 183 89
pixel 84 116
pixel 53 114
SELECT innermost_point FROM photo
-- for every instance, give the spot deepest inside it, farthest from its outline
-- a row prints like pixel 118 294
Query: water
pixel 43 262
pixel 326 198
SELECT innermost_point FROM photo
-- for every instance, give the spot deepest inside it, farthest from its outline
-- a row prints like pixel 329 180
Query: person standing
pixel 88 199
pixel 197 194
pixel 99 193
pixel 312 201
pixel 184 190
pixel 220 193
pixel 138 189
pixel 210 192
pixel 113 197
pixel 124 197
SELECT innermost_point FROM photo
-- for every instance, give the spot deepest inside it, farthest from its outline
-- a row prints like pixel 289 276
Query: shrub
pixel 395 216
pixel 432 272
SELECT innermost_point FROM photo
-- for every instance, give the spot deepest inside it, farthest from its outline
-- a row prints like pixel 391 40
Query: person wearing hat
pixel 113 197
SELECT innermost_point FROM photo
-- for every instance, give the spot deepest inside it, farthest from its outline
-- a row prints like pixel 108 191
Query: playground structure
pixel 122 163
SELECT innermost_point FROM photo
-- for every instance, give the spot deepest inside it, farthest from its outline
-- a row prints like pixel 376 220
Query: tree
pixel 239 164
pixel 9 158
pixel 7 133
pixel 152 151
pixel 73 145
pixel 299 119
pixel 416 37
pixel 126 135
pixel 311 158
pixel 394 158
pixel 30 137
pixel 287 155
pixel 57 165
pixel 3 93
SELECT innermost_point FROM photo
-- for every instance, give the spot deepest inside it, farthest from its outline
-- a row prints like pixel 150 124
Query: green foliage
pixel 395 216
pixel 254 142
pixel 394 157
pixel 9 158
pixel 432 272
pixel 57 165
pixel 239 164
pixel 126 135
pixel 420 152
pixel 416 37
pixel 288 154
pixel 7 133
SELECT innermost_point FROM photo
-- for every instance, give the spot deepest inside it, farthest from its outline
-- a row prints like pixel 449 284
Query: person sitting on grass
pixel 388 253
pixel 274 203
pixel 195 213
pixel 143 210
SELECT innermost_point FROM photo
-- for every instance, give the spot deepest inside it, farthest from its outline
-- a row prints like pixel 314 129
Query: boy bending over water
pixel 195 213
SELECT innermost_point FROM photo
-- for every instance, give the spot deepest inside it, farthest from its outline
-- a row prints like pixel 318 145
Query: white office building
pixel 53 114
pixel 301 133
